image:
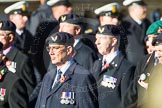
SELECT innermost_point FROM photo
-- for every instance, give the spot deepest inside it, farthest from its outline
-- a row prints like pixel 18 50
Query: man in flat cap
pixel 69 85
pixel 19 63
pixel 112 71
pixel 84 55
pixel 135 95
pixel 18 14
pixel 13 92
pixel 135 26
pixel 108 14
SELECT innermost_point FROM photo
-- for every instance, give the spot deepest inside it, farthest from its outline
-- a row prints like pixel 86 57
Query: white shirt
pixel 110 57
pixel 63 70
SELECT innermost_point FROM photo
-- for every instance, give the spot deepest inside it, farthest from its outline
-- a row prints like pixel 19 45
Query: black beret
pixel 112 30
pixel 157 40
pixel 61 38
pixel 71 18
pixel 7 25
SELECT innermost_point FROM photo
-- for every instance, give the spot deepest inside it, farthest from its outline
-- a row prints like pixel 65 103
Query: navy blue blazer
pixel 84 55
pixel 120 72
pixel 78 80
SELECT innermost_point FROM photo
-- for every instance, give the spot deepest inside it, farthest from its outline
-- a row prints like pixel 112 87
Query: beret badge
pixel 101 30
pixel 63 18
pixel 54 38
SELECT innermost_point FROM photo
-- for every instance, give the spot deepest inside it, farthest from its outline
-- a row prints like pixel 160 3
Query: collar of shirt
pixel 66 66
pixel 110 57
pixel 6 51
pixel 19 32
pixel 76 41
pixel 138 21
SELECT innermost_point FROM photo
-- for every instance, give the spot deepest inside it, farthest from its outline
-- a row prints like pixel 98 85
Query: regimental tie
pixel 58 76
pixel 103 64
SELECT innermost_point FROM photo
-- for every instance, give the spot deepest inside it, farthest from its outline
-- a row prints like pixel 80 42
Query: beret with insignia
pixel 112 30
pixel 58 3
pixel 153 28
pixel 17 8
pixel 111 9
pixel 71 18
pixel 134 2
pixel 7 25
pixel 61 38
pixel 157 40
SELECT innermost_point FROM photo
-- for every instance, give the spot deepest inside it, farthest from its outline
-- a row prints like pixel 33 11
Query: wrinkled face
pixel 59 53
pixel 150 48
pixel 19 20
pixel 108 20
pixel 5 38
pixel 104 43
pixel 140 11
pixel 158 50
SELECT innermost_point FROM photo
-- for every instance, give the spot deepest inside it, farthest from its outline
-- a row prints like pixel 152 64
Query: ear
pixel 69 50
pixel 114 41
pixel 11 37
pixel 159 30
pixel 77 30
pixel 11 17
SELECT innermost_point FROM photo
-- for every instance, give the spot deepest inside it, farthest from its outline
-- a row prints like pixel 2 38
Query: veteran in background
pixel 152 32
pixel 84 55
pixel 20 64
pixel 68 85
pixel 135 25
pixel 109 14
pixel 18 14
pixel 135 96
pixel 112 71
pixel 13 92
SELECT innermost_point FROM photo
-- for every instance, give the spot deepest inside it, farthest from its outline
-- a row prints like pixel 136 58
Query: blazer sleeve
pixel 88 93
pixel 28 76
pixel 18 97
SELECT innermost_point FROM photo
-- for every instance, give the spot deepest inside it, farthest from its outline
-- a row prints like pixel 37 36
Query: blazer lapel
pixel 68 75
pixel 115 64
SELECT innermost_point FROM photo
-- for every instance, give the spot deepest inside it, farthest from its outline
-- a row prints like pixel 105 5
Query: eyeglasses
pixel 55 48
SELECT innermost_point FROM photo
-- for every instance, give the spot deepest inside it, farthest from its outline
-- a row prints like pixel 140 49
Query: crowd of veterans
pixel 54 58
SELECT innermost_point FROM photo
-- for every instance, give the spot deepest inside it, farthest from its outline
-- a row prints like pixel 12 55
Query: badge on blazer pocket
pixel 109 81
pixel 67 98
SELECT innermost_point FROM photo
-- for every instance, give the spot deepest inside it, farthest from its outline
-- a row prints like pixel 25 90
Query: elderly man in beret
pixel 135 96
pixel 19 63
pixel 69 85
pixel 84 55
pixel 135 25
pixel 13 92
pixel 112 71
